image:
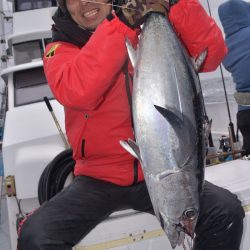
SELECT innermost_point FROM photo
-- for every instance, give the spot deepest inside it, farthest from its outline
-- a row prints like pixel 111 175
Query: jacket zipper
pixel 127 82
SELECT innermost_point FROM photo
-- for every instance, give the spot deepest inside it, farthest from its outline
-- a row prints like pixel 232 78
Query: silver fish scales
pixel 169 122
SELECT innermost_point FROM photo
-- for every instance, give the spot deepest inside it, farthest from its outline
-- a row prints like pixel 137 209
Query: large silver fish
pixel 169 126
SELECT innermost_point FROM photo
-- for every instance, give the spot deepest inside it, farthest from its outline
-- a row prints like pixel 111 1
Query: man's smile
pixel 91 13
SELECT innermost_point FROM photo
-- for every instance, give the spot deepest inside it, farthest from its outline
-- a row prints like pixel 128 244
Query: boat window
pixel 28 51
pixel 21 5
pixel 30 86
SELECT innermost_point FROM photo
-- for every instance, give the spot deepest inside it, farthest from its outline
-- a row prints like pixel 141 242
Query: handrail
pixel 24 66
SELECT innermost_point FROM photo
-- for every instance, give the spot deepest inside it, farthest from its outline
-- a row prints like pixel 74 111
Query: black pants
pixel 243 123
pixel 69 216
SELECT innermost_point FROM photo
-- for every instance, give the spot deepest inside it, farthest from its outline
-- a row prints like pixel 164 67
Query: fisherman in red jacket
pixel 87 72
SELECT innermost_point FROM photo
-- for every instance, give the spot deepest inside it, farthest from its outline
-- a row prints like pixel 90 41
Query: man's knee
pixel 220 225
pixel 234 224
pixel 227 215
pixel 233 210
pixel 229 222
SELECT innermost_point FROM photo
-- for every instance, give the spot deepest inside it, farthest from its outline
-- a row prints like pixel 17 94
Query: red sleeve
pixel 79 78
pixel 198 31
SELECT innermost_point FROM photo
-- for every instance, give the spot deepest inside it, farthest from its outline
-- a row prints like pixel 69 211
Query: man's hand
pixel 134 12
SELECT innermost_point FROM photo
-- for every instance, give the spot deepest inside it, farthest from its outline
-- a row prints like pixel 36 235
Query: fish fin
pixel 132 148
pixel 131 53
pixel 182 127
pixel 199 60
pixel 172 117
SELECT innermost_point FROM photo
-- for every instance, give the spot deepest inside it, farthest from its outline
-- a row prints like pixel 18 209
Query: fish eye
pixel 190 213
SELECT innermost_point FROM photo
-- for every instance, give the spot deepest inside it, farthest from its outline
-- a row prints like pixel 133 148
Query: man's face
pixel 88 14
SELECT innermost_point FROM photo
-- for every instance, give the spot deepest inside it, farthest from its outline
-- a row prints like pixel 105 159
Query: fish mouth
pixel 180 230
pixel 186 227
pixel 176 231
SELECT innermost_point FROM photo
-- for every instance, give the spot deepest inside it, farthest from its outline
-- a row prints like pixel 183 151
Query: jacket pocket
pixel 83 148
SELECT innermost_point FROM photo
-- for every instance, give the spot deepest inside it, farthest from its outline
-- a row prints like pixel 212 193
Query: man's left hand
pixel 134 12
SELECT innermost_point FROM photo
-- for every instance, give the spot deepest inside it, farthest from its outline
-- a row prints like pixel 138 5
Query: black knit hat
pixel 62 5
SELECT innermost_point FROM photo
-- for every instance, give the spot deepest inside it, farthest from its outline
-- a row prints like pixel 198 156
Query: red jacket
pixel 90 84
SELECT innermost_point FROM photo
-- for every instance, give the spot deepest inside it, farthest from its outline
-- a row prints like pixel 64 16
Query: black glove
pixel 134 12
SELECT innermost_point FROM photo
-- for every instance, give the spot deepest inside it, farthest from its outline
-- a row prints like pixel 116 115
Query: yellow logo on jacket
pixel 52 50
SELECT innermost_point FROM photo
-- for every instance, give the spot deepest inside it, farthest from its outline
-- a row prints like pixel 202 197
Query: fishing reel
pixel 225 145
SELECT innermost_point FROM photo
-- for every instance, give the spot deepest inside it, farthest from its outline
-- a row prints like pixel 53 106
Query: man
pixel 86 68
pixel 235 19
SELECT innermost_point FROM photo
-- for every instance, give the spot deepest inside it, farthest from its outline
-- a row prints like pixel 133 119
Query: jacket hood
pixel 234 15
pixel 62 5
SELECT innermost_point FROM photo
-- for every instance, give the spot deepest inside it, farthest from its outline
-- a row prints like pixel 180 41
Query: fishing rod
pixel 111 4
pixel 231 125
pixel 56 122
pixel 231 130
